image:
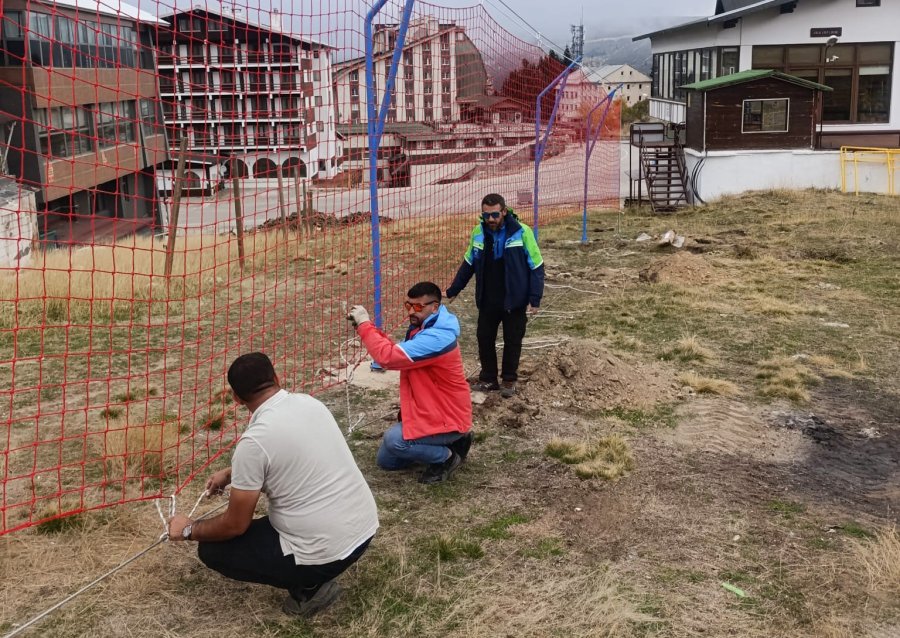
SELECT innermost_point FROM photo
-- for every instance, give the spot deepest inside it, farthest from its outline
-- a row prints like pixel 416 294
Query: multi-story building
pixel 579 95
pixel 80 98
pixel 633 86
pixel 439 66
pixel 238 89
pixel 848 45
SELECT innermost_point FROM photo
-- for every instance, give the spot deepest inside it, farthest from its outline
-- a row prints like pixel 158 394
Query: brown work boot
pixel 507 389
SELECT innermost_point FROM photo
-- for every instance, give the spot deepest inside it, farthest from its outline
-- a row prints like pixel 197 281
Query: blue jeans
pixel 396 453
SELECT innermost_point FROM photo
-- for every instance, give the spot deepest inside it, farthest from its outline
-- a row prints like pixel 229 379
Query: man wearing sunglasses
pixel 435 402
pixel 509 282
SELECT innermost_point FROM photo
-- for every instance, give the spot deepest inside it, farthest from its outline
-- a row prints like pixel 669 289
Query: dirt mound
pixel 323 220
pixel 584 375
pixel 680 268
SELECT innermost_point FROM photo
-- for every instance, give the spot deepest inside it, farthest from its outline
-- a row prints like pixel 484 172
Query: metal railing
pixel 864 156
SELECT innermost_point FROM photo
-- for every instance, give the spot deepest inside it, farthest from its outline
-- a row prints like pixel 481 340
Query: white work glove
pixel 358 315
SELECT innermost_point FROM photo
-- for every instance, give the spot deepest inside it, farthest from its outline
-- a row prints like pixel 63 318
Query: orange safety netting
pixel 180 185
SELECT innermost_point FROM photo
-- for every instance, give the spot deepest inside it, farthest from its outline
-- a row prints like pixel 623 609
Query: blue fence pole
pixel 540 144
pixel 375 130
pixel 590 139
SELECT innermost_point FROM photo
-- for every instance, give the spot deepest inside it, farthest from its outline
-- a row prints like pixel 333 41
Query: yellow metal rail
pixel 857 156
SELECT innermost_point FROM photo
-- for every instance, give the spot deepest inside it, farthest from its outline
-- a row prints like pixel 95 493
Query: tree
pixel 525 84
pixel 554 56
pixel 567 55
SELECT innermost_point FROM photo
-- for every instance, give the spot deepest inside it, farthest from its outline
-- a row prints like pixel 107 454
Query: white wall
pixel 18 226
pixel 732 172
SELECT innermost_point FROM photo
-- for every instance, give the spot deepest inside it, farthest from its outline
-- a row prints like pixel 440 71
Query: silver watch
pixel 186 531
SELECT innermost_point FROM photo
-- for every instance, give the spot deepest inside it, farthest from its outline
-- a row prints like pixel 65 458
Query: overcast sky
pixel 340 20
pixel 601 17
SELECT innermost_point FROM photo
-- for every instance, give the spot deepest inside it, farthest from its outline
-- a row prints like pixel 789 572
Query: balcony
pixel 257 57
pixel 260 114
pixel 165 59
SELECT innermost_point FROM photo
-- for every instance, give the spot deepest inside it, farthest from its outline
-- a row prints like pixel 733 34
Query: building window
pixel 766 116
pixel 68 133
pixel 148 117
pixel 317 76
pixel 859 75
pixel 13 45
pixel 354 76
pixel 318 100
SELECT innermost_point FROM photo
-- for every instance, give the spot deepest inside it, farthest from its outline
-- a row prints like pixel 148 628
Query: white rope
pixel 351 368
pixel 162 539
pixel 587 292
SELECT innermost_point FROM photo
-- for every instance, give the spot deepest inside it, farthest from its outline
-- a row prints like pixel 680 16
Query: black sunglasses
pixel 494 215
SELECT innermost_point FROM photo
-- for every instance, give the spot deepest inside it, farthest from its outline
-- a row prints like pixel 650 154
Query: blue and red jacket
pixel 434 394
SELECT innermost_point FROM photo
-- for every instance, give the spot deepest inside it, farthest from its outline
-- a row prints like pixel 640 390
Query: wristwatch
pixel 186 531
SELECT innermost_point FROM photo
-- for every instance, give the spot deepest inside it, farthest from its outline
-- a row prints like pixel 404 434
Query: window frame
pixel 855 67
pixel 787 115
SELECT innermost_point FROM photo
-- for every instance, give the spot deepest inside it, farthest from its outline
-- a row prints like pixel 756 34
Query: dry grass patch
pixel 550 604
pixel 146 450
pixel 608 457
pixel 708 385
pixel 880 561
pixel 786 377
pixel 774 307
pixel 828 367
pixel 689 348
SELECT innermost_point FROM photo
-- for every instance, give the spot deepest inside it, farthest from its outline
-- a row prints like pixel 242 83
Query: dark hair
pixel 250 374
pixel 493 199
pixel 423 289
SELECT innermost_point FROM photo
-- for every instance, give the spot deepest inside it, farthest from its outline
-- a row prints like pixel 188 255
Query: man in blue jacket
pixel 509 282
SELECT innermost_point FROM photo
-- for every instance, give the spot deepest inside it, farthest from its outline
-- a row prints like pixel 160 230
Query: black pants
pixel 514 321
pixel 256 557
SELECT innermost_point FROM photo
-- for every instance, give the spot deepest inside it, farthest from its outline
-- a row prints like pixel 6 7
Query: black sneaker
pixel 485 386
pixel 323 598
pixel 461 446
pixel 438 472
pixel 508 389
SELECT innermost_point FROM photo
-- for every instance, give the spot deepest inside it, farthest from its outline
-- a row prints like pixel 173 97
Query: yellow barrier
pixel 856 155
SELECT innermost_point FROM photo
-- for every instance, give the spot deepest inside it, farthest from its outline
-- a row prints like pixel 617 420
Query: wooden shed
pixel 756 109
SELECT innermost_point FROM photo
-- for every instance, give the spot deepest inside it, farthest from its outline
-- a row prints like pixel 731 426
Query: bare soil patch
pixel 683 268
pixel 587 375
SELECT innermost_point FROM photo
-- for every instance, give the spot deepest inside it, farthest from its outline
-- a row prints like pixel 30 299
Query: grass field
pixel 705 443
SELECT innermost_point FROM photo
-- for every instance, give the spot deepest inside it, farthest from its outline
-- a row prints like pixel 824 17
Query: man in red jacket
pixel 435 401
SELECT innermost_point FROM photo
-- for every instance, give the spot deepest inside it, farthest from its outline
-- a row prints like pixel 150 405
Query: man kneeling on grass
pixel 435 401
pixel 322 515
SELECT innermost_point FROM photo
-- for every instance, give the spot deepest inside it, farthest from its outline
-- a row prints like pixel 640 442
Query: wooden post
pixel 176 205
pixel 307 208
pixel 284 229
pixel 238 212
pixel 297 199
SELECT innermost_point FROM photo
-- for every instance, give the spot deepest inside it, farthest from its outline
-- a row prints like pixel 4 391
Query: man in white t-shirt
pixel 322 515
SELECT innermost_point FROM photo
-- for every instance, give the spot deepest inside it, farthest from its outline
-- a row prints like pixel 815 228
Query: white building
pixel 848 45
pixel 240 89
pixel 439 65
pixel 633 85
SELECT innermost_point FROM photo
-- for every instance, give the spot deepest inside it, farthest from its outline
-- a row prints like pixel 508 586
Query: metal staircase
pixel 665 176
pixel 662 176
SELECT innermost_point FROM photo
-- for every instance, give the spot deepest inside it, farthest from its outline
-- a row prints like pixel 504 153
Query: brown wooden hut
pixel 756 109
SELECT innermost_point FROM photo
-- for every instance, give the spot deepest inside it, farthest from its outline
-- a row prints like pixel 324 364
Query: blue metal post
pixel 590 139
pixel 541 144
pixel 376 129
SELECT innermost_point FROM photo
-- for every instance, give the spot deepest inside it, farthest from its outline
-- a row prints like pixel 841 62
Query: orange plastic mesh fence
pixel 182 185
